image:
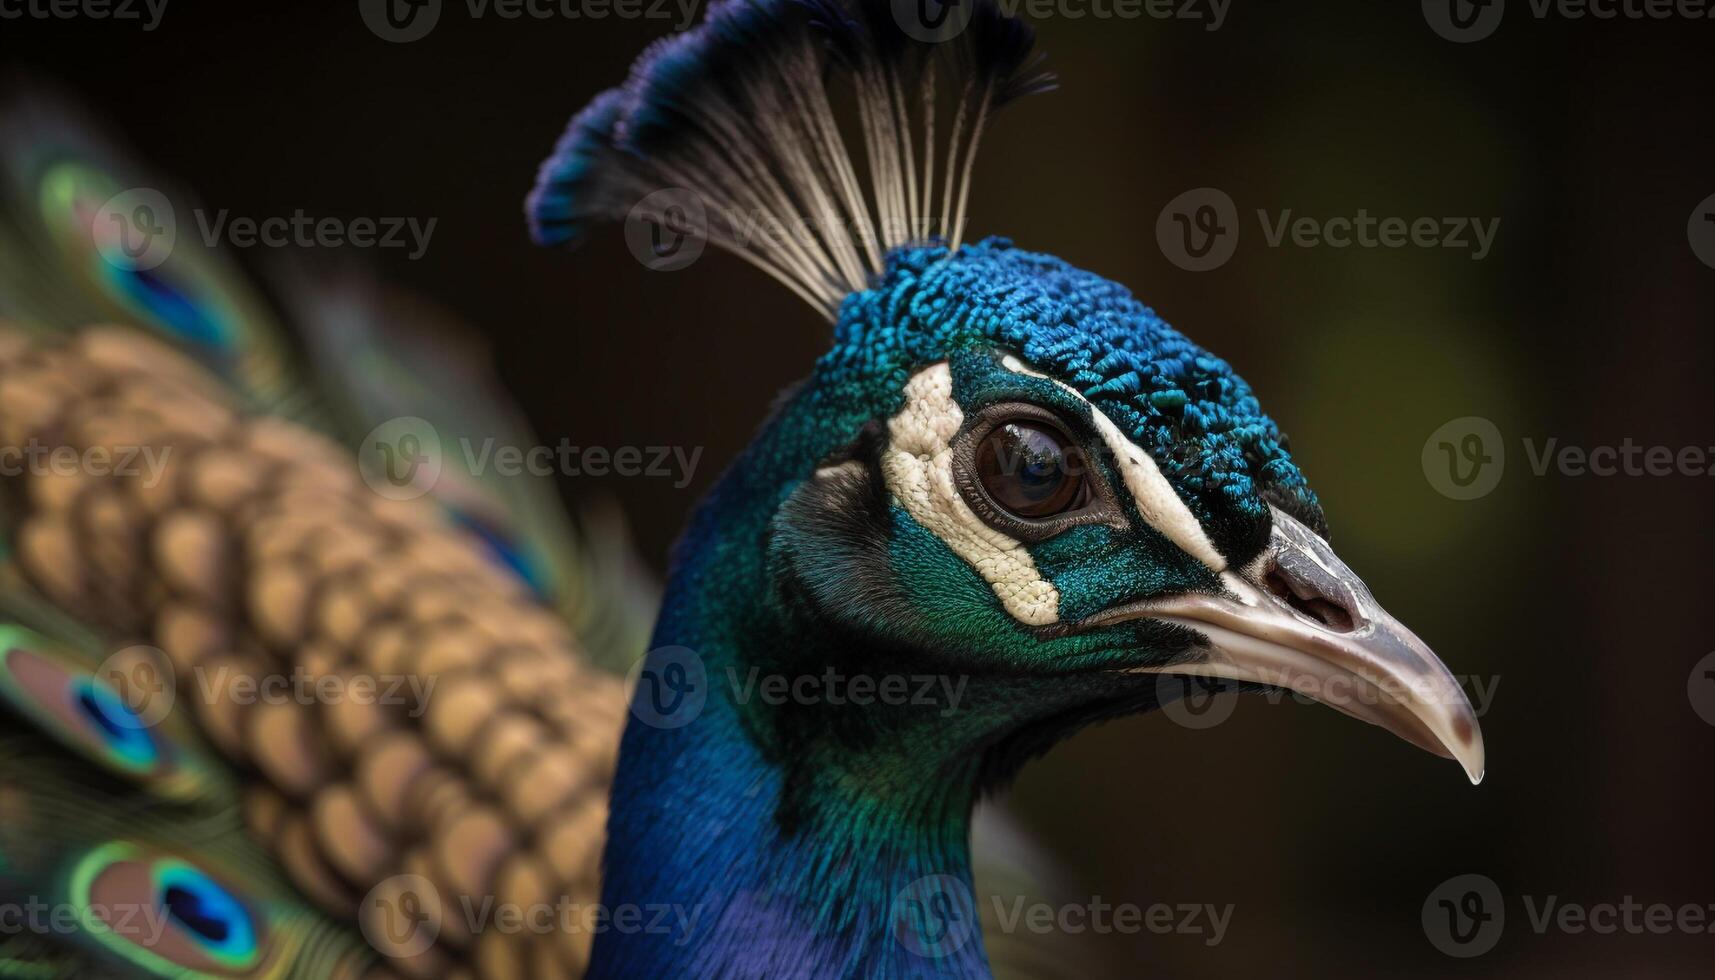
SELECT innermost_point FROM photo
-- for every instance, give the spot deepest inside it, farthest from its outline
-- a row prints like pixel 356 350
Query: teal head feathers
pixel 1008 476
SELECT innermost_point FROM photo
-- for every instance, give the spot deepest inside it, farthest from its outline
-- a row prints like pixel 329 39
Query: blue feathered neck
pixel 793 855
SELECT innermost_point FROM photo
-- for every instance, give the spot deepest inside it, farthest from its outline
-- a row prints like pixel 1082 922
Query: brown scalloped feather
pixel 260 552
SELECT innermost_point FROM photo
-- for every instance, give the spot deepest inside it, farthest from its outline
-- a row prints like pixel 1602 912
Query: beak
pixel 1298 618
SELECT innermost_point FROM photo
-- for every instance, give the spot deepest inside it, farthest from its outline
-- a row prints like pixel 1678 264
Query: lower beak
pixel 1299 619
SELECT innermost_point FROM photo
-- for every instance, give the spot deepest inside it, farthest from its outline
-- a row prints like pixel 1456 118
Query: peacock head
pixel 1007 470
pixel 1020 476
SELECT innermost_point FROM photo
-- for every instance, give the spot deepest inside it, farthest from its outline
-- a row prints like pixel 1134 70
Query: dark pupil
pixel 1024 468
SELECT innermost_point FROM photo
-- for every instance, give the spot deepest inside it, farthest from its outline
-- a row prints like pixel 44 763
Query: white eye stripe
pixel 918 467
pixel 1150 491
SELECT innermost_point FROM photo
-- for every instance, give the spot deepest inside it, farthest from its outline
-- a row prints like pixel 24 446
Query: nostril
pixel 1322 608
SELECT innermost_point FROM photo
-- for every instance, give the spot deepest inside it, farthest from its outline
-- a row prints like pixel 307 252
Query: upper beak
pixel 1298 618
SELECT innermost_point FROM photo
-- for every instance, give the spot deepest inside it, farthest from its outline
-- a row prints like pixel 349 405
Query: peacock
pixel 1008 503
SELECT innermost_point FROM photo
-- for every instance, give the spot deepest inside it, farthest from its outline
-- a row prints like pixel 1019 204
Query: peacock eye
pixel 1031 470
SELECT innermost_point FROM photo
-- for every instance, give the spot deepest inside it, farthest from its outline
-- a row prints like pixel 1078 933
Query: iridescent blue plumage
pixel 1197 418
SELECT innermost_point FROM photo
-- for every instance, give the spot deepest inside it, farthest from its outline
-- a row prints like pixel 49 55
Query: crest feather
pixel 739 124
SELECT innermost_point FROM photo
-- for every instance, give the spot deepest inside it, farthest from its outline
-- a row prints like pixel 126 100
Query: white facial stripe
pixel 918 467
pixel 1154 496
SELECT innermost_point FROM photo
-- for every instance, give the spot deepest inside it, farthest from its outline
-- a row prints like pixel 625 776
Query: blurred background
pixel 1579 603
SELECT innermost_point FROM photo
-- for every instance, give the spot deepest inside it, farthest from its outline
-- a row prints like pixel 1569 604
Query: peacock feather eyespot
pixel 82 709
pixel 210 913
pixel 112 720
pixel 165 913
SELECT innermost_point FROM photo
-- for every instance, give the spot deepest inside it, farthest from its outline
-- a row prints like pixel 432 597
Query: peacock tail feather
pixel 214 553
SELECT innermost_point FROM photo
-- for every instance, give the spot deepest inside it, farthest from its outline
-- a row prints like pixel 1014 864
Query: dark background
pixel 1584 598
